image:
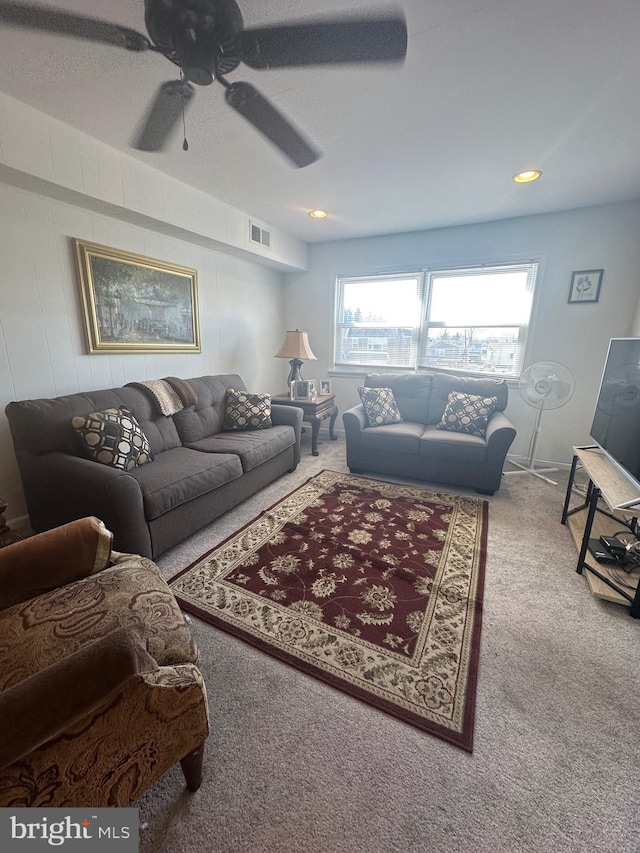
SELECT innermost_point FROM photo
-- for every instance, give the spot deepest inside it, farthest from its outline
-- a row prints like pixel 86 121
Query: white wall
pixel 42 344
pixel 56 184
pixel 43 155
pixel 605 237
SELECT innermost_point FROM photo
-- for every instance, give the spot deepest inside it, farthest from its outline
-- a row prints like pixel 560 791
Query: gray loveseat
pixel 197 474
pixel 416 448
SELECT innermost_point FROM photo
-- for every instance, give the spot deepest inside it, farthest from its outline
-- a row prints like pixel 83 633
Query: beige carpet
pixel 294 766
pixel 373 587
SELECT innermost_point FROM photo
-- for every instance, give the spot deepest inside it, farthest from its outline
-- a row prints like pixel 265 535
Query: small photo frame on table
pixel 585 286
pixel 325 386
pixel 304 389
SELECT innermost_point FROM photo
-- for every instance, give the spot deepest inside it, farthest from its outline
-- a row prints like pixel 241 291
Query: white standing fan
pixel 544 385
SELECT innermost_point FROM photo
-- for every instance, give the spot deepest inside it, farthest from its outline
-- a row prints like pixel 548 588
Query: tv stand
pixel 611 503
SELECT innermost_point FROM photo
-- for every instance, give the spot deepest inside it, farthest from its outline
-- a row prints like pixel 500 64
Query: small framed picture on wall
pixel 585 286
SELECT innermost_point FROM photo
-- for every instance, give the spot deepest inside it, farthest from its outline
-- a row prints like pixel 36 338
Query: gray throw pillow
pixel 467 413
pixel 380 406
pixel 246 411
pixel 113 437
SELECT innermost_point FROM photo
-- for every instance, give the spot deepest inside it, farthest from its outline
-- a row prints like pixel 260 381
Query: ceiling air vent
pixel 259 235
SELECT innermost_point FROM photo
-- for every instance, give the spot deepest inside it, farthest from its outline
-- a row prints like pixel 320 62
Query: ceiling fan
pixel 206 39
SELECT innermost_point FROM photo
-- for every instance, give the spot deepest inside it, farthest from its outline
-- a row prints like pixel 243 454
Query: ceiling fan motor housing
pixel 206 39
pixel 200 36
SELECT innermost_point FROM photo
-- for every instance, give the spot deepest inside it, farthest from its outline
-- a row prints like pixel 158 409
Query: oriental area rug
pixel 373 587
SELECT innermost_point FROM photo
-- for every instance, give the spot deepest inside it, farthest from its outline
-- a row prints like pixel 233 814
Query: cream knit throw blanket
pixel 170 394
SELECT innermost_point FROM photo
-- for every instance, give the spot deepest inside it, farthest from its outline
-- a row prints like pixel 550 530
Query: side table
pixel 315 411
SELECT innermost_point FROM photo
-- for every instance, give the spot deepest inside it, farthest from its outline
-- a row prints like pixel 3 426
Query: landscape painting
pixel 135 304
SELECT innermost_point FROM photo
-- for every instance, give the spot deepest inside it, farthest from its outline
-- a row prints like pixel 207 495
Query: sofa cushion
pixel 380 406
pixel 113 437
pixel 180 475
pixel 411 391
pixel 207 416
pixel 246 411
pixel 454 447
pixel 467 413
pixel 253 447
pixel 443 385
pixel 394 438
pixel 42 630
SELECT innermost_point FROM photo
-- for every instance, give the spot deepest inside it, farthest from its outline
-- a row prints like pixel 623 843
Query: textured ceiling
pixel 488 88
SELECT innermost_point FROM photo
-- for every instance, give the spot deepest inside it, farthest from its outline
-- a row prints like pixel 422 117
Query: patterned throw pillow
pixel 113 437
pixel 468 413
pixel 380 406
pixel 246 411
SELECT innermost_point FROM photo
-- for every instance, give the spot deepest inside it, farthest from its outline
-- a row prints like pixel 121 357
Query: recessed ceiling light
pixel 527 176
pixel 318 214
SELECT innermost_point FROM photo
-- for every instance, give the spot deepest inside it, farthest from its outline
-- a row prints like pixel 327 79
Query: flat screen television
pixel 616 421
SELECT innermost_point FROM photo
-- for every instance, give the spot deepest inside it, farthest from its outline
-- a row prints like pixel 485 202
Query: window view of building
pixel 472 320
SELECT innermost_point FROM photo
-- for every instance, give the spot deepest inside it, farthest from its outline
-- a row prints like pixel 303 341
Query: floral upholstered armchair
pixel 100 689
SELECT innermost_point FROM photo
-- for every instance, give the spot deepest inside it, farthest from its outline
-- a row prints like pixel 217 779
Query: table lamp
pixel 296 348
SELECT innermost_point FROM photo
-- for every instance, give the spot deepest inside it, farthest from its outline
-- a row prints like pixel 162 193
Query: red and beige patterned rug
pixel 372 587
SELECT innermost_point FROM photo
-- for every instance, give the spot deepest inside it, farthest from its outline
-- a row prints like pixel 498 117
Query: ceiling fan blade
pixel 326 42
pixel 49 20
pixel 253 106
pixel 164 114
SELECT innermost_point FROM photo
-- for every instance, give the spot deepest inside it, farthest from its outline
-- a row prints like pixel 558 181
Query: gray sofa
pixel 416 448
pixel 197 474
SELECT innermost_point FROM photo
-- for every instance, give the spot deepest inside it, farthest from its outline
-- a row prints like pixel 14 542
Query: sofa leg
pixel 357 470
pixel 486 491
pixel 192 767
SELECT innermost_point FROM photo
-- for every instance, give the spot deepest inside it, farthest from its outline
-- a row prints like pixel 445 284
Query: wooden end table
pixel 315 411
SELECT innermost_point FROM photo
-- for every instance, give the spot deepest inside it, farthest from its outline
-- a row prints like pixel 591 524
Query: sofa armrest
pixel 81 682
pixel 52 559
pixel 499 435
pixel 289 416
pixel 62 487
pixel 354 420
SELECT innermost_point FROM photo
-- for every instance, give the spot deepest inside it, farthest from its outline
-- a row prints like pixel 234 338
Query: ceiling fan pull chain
pixel 185 144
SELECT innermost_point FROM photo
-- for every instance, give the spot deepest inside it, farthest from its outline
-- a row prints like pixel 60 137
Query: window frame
pixel 421 327
pixel 340 324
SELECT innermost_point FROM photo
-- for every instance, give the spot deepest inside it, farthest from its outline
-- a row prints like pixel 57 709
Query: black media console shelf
pixel 600 514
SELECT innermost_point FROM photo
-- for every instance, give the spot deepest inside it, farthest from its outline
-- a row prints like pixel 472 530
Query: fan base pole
pixel 537 472
pixel 530 467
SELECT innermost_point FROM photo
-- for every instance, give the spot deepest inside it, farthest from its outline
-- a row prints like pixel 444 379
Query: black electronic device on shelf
pixel 601 553
pixel 616 547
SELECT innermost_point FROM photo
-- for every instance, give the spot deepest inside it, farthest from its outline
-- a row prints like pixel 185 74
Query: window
pixel 465 320
pixel 379 320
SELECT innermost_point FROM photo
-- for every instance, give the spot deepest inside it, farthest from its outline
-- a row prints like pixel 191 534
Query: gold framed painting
pixel 135 304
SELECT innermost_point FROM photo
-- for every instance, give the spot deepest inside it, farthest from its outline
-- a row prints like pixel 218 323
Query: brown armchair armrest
pixel 52 559
pixel 78 684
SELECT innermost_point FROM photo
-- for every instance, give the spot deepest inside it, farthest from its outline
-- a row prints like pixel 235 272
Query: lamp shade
pixel 295 348
pixel 296 345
